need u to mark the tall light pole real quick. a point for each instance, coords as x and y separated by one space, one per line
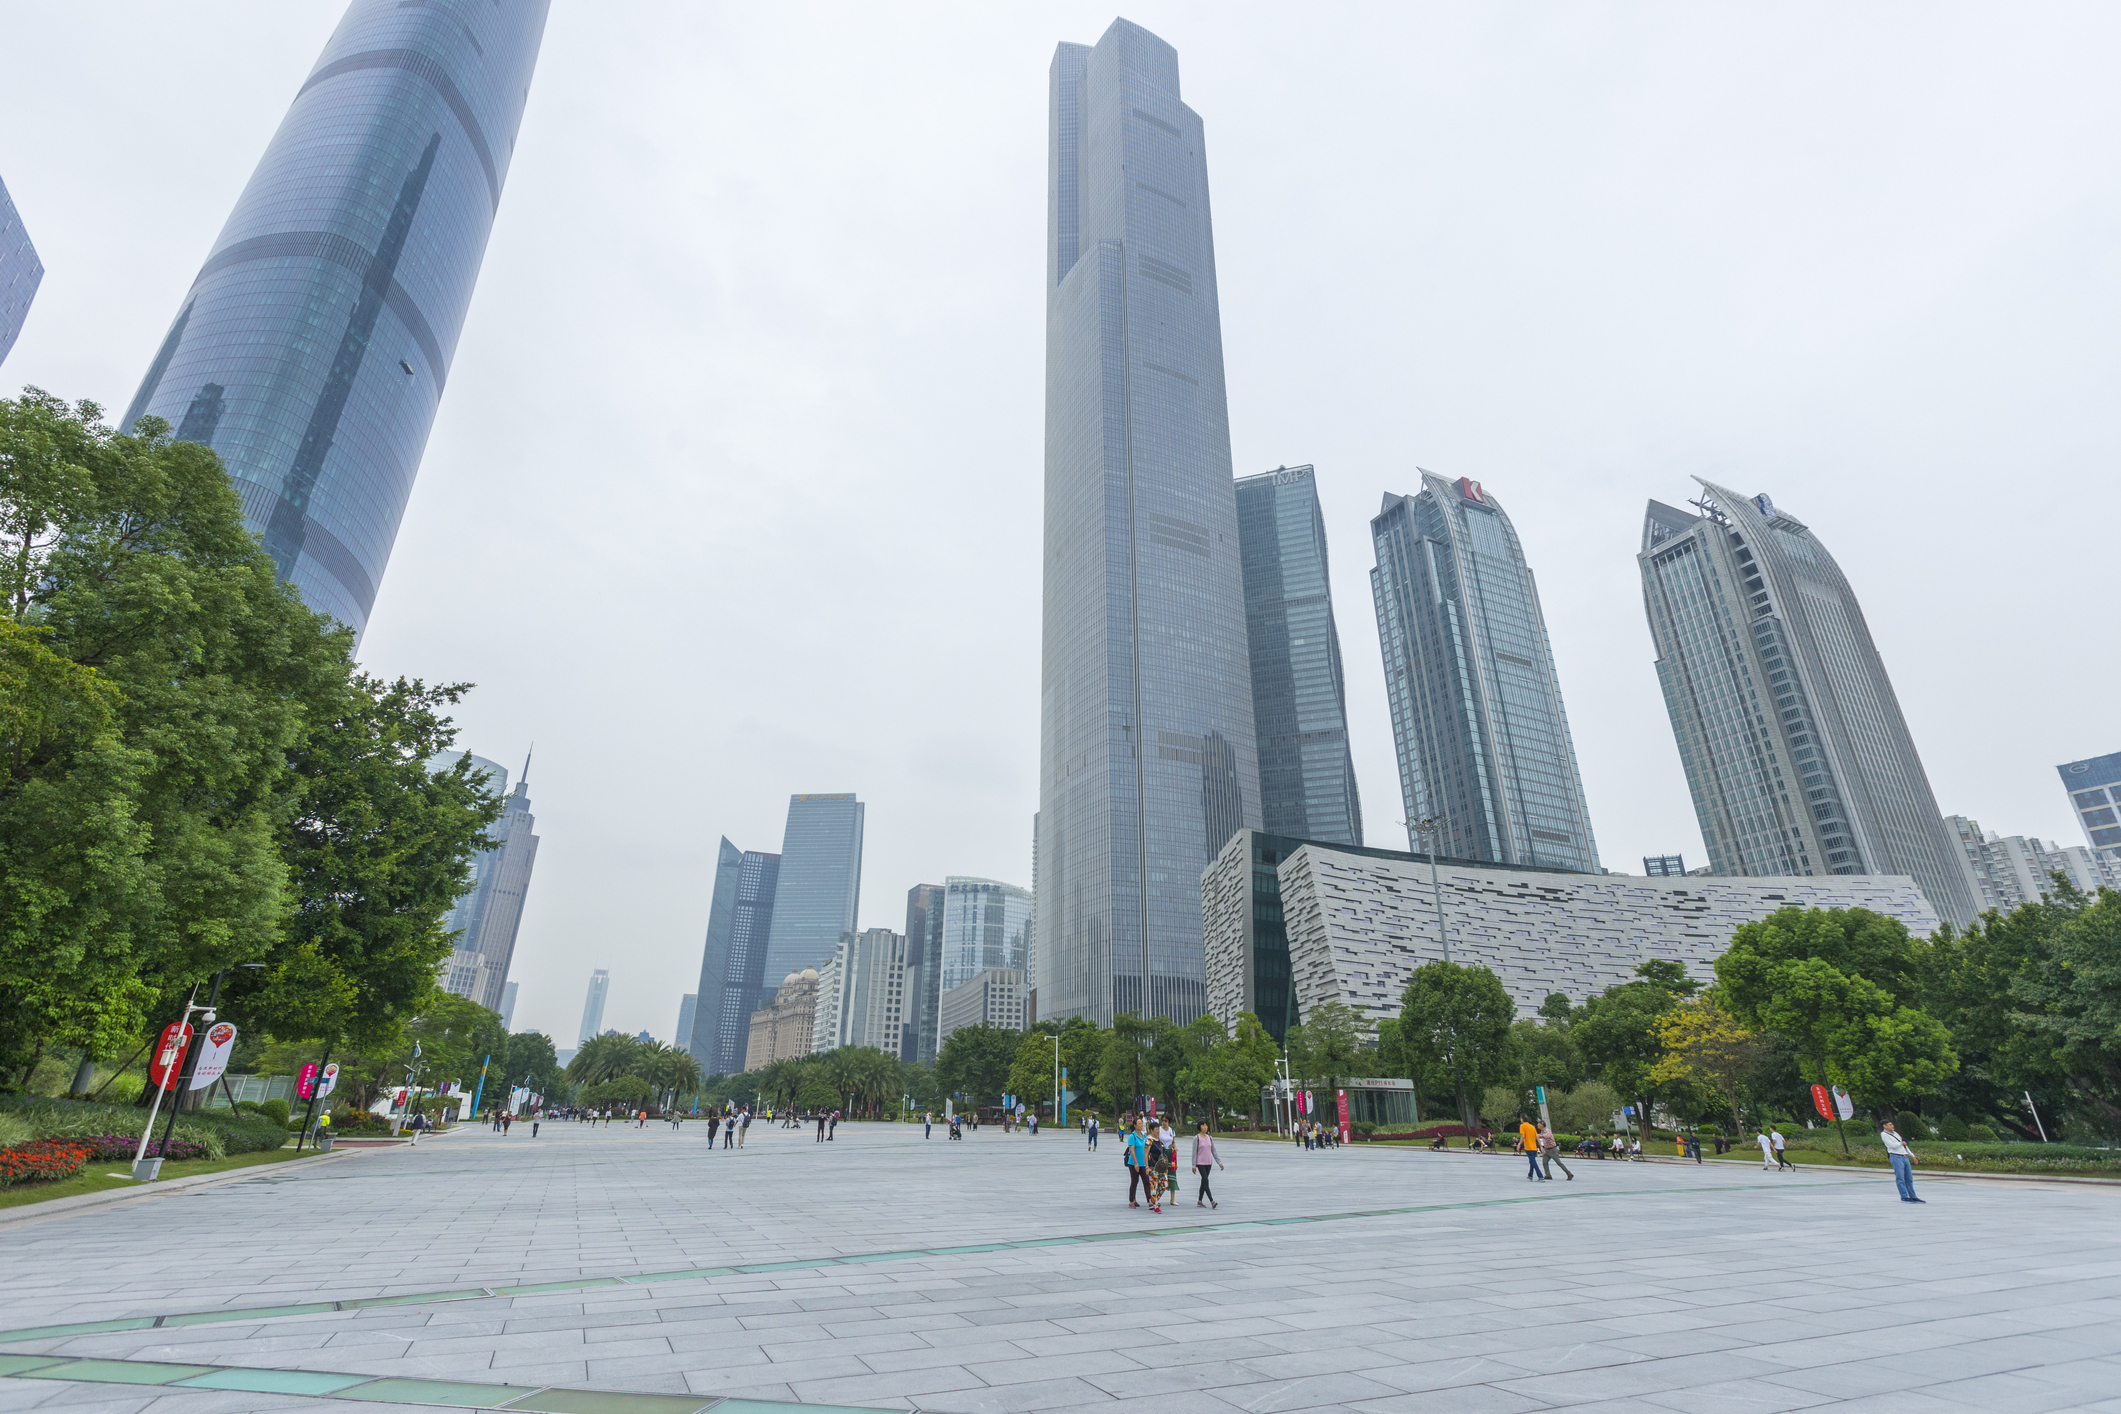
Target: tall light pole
1431 829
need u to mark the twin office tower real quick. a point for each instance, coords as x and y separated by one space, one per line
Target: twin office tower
1191 675
1191 683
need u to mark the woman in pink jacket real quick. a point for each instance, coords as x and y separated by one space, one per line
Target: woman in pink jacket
1203 1160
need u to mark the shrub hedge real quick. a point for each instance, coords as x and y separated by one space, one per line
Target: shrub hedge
42 1161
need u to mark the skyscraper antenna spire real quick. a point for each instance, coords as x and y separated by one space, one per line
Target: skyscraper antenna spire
524 779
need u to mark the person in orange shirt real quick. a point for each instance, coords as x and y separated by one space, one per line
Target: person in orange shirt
1528 1139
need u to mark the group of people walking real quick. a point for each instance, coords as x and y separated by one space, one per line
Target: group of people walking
1541 1150
1149 1148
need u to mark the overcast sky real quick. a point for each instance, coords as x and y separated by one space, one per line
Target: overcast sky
735 491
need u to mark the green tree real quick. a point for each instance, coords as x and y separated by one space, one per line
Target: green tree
1126 1071
1701 1042
1454 1031
604 1057
1331 1044
141 847
1617 1032
526 1061
1546 1055
1033 1068
1231 1075
974 1062
1830 980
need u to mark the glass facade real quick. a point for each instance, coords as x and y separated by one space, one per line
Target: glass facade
733 962
2094 787
1147 749
20 273
1794 747
312 347
924 970
1299 696
1482 739
986 924
487 919
593 1004
820 887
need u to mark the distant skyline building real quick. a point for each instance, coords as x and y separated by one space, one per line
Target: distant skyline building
487 919
1664 866
785 1027
1299 693
593 1004
508 1008
861 993
820 890
2094 786
20 273
2007 871
1147 751
733 960
688 1007
994 997
924 969
1795 749
1477 719
986 924
313 345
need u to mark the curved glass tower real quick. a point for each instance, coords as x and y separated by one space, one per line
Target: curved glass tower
1476 707
311 350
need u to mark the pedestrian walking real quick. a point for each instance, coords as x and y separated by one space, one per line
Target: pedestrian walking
729 1132
507 1118
927 1124
535 1121
1203 1160
1550 1152
1528 1141
1090 1128
820 1128
714 1128
1782 1158
1767 1149
1134 1153
833 1132
743 1126
1159 1155
1903 1161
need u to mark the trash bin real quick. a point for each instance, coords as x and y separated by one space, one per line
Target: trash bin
324 1141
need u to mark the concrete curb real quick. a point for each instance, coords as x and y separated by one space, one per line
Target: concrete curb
59 1207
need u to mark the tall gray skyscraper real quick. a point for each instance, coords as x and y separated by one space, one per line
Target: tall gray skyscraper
924 969
2094 786
508 1007
1147 755
986 924
312 347
488 918
20 272
733 963
820 888
593 1004
1477 719
1299 697
1794 747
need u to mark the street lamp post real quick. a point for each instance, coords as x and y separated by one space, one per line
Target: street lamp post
1057 1118
1430 829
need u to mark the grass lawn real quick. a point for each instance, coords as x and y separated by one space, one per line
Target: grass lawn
101 1178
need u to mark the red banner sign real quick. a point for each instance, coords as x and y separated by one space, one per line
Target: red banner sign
306 1082
1343 1115
1822 1102
169 1055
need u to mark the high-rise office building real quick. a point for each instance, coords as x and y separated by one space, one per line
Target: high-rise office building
1299 696
688 1008
861 993
312 347
2094 787
733 962
508 1008
1664 866
1482 739
487 919
924 969
986 924
994 997
593 1004
1794 747
820 888
20 272
1147 753
2009 870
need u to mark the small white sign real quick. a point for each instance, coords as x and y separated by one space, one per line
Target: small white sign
328 1080
213 1056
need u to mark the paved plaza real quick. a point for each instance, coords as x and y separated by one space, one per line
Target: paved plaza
1005 1274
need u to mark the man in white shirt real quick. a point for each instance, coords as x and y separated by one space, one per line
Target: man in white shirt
1782 1159
1767 1150
1903 1161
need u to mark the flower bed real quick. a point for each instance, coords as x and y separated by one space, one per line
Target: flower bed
111 1148
42 1161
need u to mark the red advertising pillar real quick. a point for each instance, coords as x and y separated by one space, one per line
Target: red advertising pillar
1344 1134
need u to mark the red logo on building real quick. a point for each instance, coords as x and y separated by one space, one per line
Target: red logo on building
1470 489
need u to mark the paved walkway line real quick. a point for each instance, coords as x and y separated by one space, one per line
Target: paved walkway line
546 1288
57 1206
393 1389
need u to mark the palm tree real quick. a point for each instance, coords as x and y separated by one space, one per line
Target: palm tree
674 1069
605 1057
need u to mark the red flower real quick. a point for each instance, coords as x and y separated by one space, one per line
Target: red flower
47 1159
